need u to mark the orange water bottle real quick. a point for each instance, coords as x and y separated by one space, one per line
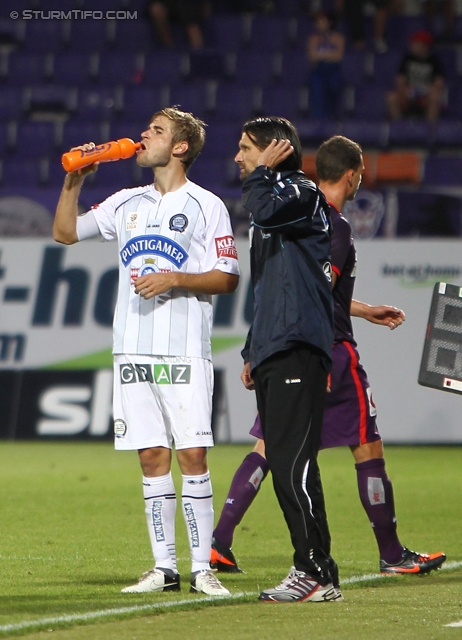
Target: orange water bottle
107 152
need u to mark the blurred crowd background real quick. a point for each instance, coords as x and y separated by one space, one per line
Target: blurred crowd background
386 73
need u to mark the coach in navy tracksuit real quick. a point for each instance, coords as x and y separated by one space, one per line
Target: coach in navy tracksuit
288 350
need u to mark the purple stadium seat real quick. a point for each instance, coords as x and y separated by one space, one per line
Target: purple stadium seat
410 133
222 139
27 68
448 133
354 66
35 139
254 68
11 102
234 103
191 97
72 68
54 100
227 32
98 103
94 33
269 33
77 133
164 67
119 174
448 58
132 35
454 105
400 28
207 63
366 133
294 69
140 102
22 173
43 36
443 171
281 101
209 173
370 102
313 132
128 129
386 67
12 32
115 67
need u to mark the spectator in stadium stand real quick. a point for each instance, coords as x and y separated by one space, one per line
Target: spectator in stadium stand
420 83
176 249
325 50
288 349
350 413
190 14
354 12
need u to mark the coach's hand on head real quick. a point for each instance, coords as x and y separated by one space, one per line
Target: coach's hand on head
275 153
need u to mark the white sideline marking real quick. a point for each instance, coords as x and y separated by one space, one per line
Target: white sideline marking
94 615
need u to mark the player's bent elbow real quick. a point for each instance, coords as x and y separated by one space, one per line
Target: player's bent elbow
64 238
231 283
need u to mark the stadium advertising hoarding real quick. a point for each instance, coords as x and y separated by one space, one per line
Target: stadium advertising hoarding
56 306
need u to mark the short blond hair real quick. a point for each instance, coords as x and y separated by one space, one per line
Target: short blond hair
186 128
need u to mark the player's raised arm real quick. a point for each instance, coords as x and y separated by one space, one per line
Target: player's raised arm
65 223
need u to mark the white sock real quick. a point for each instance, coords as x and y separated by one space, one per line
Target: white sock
198 515
160 500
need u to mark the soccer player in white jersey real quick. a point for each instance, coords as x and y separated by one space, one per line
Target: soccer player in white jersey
176 249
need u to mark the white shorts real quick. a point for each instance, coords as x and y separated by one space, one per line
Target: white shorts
161 400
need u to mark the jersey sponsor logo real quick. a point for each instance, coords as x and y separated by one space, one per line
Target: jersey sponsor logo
293 380
120 428
155 374
132 221
178 222
375 491
153 224
157 520
226 247
154 245
327 268
190 517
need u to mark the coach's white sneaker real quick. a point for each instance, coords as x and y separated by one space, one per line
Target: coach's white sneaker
207 582
156 580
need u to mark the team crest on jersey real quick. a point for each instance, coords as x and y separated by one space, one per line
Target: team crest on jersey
178 222
365 213
132 221
149 266
226 247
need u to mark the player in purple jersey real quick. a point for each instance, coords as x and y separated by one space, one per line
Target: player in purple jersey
349 414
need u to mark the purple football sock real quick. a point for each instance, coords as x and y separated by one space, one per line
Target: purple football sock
244 488
376 493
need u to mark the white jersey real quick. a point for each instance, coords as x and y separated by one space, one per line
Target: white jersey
187 230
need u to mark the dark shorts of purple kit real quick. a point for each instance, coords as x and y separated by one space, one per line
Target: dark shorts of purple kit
349 413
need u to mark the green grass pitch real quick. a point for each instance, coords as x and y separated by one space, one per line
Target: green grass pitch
73 534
